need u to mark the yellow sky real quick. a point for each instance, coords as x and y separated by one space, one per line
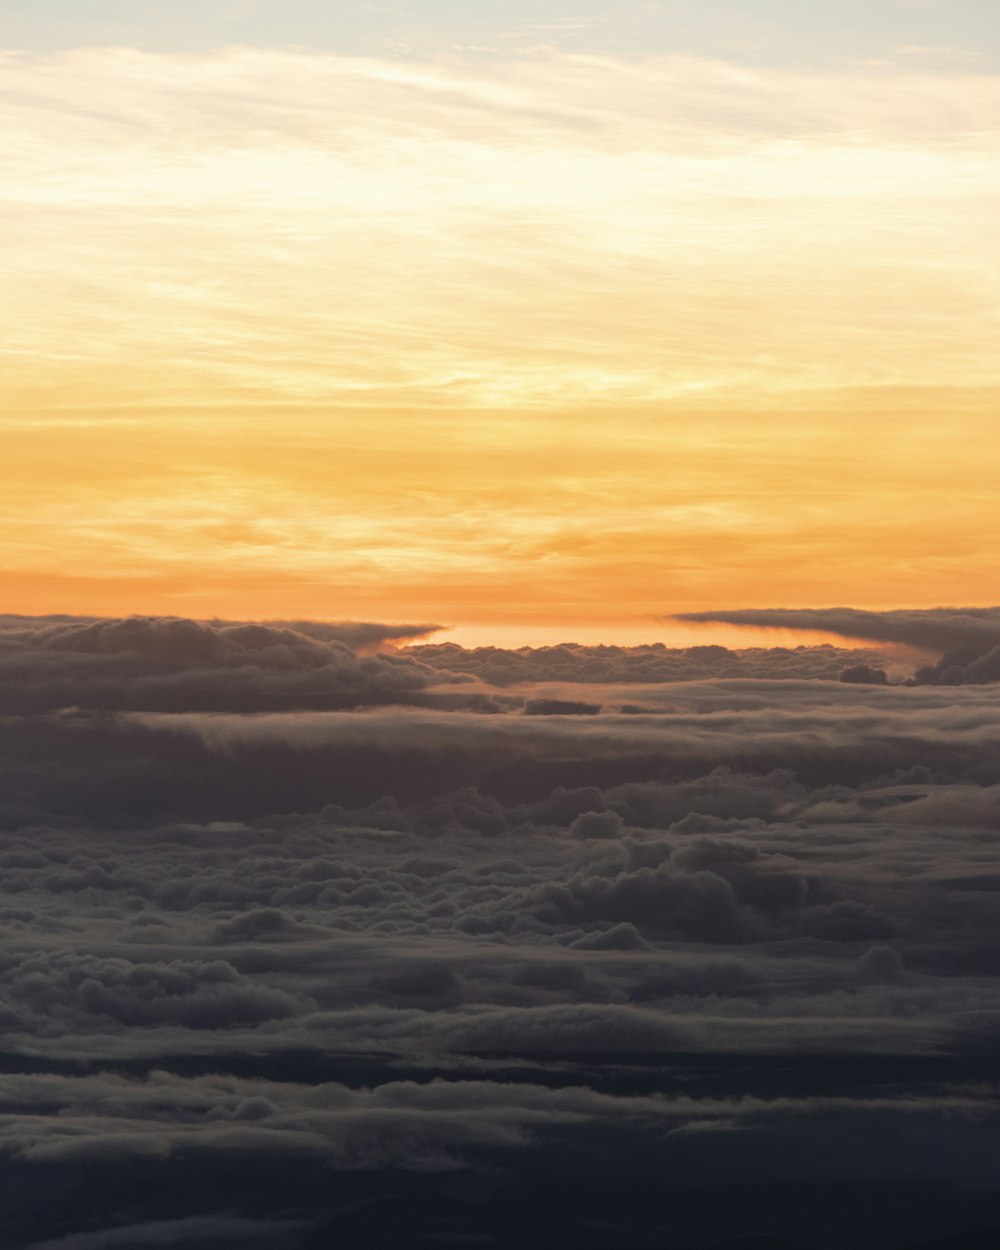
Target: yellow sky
557 342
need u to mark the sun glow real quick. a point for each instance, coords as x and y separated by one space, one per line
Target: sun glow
564 342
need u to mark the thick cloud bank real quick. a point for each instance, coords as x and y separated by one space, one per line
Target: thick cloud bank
177 664
596 962
967 638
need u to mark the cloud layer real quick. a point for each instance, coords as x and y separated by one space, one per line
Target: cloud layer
486 974
968 637
143 663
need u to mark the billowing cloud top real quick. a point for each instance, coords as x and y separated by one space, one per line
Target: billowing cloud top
654 662
968 637
477 962
175 663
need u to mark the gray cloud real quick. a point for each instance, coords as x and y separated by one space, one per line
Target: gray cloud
574 662
221 1230
178 664
967 638
284 976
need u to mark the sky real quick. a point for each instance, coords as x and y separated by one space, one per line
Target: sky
762 32
532 320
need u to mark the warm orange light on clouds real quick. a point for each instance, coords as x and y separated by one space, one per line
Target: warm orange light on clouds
560 341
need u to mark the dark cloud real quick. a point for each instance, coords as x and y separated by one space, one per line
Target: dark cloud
651 663
968 639
865 675
559 707
194 1233
358 635
836 734
169 663
715 959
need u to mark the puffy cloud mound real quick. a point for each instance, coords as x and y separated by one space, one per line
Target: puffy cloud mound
651 663
865 675
169 663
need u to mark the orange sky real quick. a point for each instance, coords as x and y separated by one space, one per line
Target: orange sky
556 345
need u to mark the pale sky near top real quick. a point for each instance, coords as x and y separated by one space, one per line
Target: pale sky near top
779 33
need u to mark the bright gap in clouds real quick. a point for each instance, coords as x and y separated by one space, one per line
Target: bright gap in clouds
669 633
